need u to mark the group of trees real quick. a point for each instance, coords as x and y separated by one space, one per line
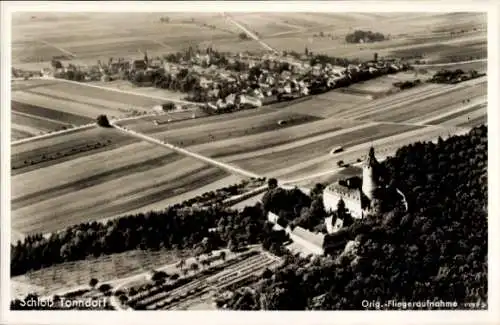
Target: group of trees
454 76
177 227
322 83
435 251
324 59
74 75
366 36
407 84
102 120
218 196
295 208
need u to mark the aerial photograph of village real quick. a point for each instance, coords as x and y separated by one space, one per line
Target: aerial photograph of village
249 161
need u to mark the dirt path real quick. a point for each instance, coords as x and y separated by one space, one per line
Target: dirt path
249 33
185 152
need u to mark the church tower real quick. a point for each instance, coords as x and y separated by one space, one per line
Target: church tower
370 177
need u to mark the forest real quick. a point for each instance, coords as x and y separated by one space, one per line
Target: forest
435 251
178 227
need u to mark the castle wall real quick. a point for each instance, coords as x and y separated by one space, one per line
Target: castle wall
353 204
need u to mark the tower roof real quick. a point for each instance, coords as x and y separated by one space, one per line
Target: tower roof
371 160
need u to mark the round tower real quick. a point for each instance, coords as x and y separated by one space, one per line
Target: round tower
369 183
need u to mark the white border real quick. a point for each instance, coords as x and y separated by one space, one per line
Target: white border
137 317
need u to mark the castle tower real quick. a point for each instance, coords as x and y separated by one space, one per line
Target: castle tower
370 177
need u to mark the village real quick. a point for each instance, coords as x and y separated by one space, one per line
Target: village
225 82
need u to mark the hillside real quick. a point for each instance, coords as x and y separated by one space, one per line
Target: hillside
436 251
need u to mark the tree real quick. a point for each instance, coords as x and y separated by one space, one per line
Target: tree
181 264
272 183
233 245
102 120
56 64
317 190
123 299
159 277
194 267
341 209
105 288
93 282
267 274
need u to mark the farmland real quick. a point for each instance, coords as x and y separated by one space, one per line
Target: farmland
202 287
98 173
254 141
417 39
104 268
177 34
153 177
36 41
40 106
78 177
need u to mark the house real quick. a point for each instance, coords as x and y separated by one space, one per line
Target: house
250 100
312 242
258 93
205 83
46 72
155 63
230 99
139 65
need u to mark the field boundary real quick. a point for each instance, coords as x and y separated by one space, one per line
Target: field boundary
210 161
52 134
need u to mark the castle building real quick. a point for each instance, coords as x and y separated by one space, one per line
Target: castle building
359 200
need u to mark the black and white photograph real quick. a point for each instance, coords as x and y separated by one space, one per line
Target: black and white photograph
247 160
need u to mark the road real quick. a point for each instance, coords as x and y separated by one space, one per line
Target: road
230 168
249 33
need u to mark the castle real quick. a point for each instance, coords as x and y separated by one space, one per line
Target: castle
360 200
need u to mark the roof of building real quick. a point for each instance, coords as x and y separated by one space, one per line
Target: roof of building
316 239
371 160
